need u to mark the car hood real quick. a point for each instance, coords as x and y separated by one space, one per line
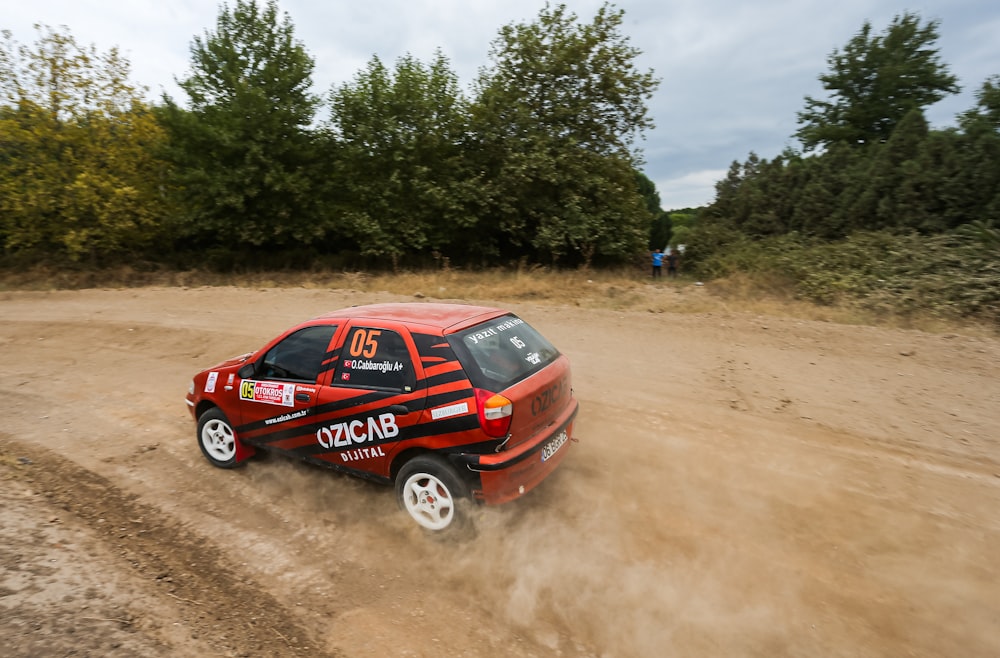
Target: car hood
233 361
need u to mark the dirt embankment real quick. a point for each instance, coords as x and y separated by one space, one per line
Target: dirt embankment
743 485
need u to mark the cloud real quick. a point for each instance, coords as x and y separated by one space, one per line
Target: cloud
690 190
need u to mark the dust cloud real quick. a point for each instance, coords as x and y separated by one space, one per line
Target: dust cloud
558 567
570 567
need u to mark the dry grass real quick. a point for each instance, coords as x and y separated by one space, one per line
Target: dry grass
615 290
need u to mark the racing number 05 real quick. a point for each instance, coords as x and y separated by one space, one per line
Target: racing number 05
365 342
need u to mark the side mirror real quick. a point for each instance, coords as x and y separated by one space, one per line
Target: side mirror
246 372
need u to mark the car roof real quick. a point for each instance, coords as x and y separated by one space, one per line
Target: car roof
437 315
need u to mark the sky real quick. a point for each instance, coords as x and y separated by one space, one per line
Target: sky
733 75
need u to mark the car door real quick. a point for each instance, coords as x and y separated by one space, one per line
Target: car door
276 402
371 401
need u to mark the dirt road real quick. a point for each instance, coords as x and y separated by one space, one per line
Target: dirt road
742 486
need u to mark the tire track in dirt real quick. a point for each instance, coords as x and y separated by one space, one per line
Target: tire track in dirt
216 608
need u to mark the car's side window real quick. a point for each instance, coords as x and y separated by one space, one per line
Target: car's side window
300 356
375 358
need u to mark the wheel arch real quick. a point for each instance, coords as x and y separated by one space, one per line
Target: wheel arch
202 407
404 456
244 451
471 480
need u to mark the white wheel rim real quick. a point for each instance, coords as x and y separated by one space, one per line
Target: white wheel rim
428 501
219 441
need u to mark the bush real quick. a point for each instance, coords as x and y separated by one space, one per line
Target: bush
950 277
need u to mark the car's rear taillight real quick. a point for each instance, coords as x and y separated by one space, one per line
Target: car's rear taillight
494 413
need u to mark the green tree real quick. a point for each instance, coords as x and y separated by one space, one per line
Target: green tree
243 150
682 223
738 197
660 231
985 116
556 117
649 193
884 204
979 155
78 178
660 225
874 82
399 181
815 209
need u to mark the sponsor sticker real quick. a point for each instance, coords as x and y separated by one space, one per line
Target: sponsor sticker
362 453
544 400
450 410
358 431
495 330
286 417
381 366
268 393
210 382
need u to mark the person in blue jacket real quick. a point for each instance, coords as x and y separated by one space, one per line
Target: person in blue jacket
657 264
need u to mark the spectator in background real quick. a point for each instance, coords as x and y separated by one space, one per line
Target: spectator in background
672 259
657 263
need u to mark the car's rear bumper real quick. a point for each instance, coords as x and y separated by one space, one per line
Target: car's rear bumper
507 475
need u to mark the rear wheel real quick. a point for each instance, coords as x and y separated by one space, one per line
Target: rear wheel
217 438
429 489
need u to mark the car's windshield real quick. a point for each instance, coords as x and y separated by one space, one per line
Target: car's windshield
502 351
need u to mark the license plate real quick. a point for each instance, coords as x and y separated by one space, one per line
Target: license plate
552 446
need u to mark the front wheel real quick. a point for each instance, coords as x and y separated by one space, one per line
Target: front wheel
429 489
217 438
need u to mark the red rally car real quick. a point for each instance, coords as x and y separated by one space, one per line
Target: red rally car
447 401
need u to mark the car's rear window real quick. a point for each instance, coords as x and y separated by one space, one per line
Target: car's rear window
502 351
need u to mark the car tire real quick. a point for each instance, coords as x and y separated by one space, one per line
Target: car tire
432 493
217 439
